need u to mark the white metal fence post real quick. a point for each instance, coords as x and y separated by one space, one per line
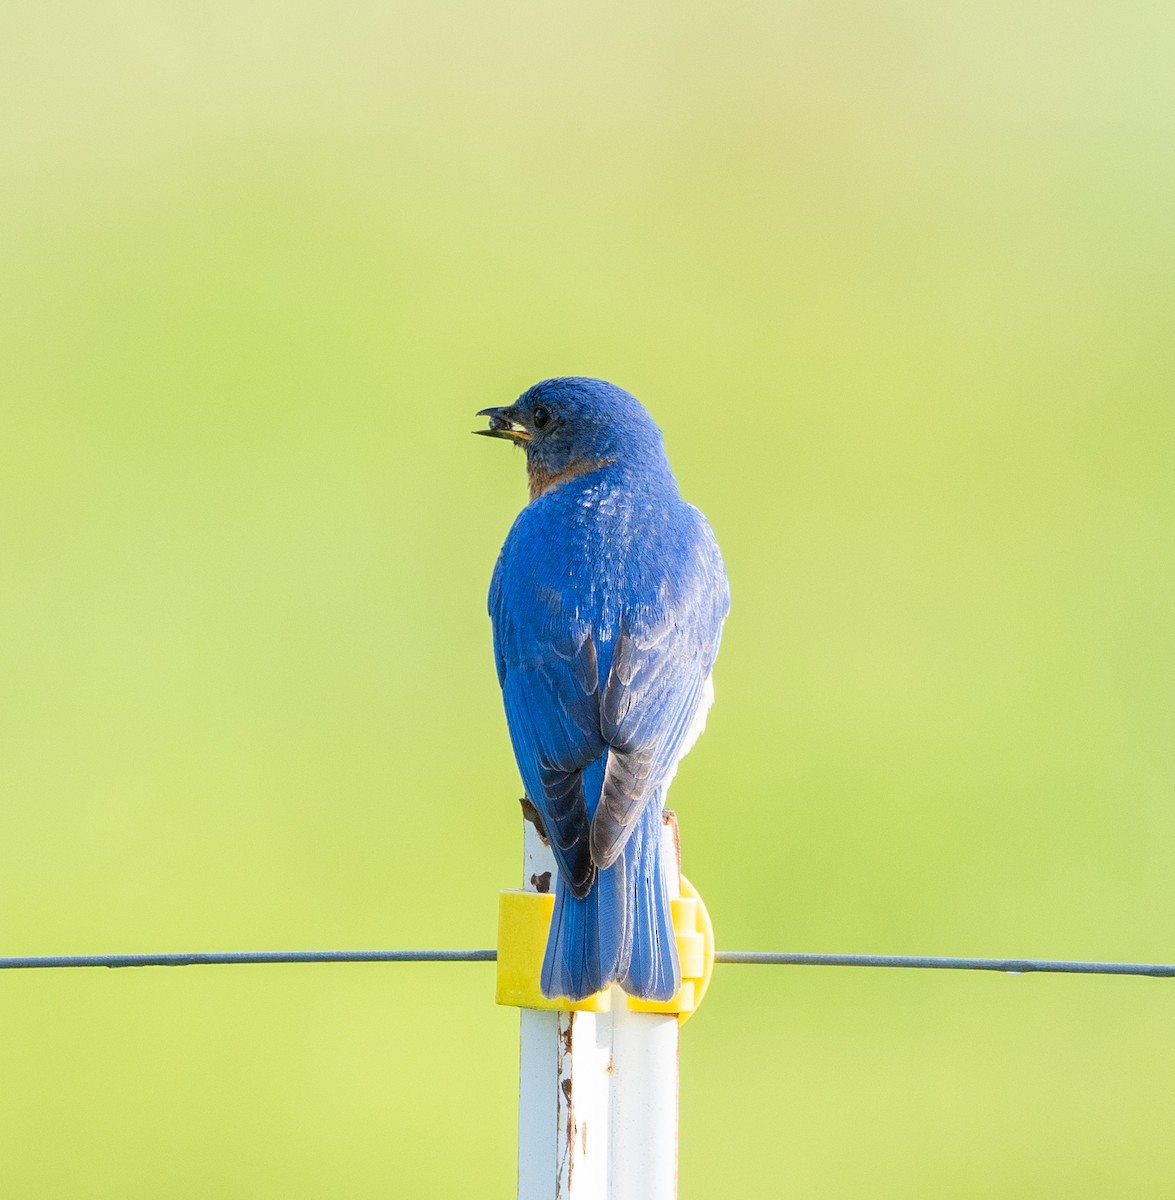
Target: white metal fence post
597 1108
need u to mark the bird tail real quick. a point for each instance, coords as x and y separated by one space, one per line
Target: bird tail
622 930
653 972
586 945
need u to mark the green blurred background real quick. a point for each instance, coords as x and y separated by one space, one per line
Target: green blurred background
899 284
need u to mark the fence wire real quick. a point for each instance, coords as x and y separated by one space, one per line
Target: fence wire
773 958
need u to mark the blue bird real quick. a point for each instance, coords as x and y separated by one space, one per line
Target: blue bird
607 603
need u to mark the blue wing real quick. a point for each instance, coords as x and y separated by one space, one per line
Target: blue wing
551 694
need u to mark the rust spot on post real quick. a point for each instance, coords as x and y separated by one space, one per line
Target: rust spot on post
669 817
531 814
569 1137
564 1069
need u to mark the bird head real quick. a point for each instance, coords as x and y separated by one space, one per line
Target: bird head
574 425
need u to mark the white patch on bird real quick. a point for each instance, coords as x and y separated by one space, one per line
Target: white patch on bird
599 497
696 726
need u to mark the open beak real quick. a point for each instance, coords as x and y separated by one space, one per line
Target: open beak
502 425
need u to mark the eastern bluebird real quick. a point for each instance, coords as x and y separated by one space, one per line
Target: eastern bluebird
607 604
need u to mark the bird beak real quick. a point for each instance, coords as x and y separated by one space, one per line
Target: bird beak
502 425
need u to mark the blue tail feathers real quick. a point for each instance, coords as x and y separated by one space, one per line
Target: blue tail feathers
653 972
622 930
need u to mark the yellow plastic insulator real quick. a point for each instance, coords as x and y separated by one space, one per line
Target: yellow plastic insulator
524 919
695 951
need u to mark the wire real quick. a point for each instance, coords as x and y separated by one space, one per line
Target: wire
1009 966
224 958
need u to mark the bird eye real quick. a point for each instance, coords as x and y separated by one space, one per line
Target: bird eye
541 417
